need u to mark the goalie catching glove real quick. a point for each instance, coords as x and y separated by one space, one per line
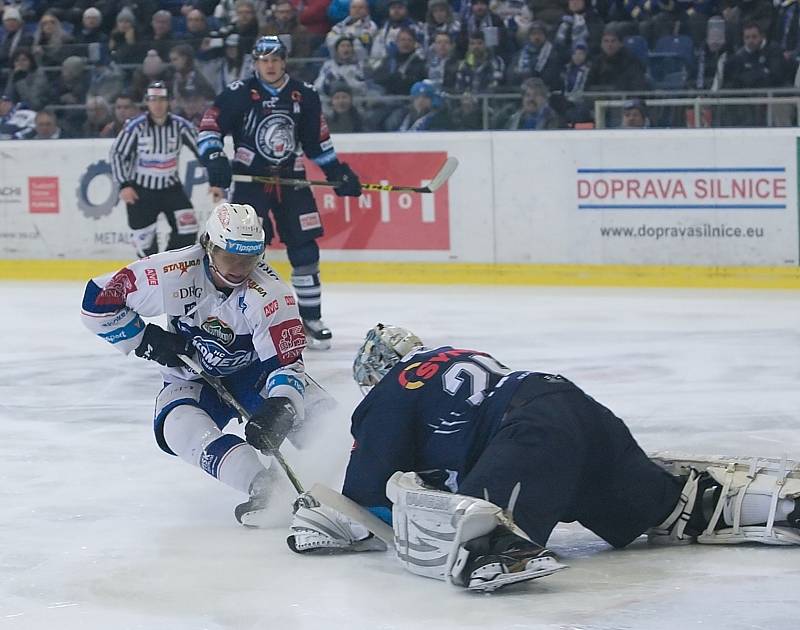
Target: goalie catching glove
317 527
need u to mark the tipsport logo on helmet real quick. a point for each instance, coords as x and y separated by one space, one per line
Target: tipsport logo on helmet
247 248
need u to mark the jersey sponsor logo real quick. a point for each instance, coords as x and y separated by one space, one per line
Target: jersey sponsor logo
271 308
245 156
289 340
188 292
152 277
416 374
182 265
187 308
219 330
122 284
310 221
275 137
251 284
289 300
217 359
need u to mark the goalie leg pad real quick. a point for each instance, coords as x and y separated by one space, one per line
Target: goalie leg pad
433 530
755 498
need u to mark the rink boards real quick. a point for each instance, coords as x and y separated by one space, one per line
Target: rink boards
639 208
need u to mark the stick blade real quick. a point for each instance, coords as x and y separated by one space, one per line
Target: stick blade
354 511
448 168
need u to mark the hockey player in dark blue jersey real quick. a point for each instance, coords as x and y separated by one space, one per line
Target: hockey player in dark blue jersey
274 119
446 435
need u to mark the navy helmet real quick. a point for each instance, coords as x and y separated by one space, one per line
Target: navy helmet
269 45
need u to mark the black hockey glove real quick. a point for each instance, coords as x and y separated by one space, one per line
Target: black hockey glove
350 185
163 347
269 426
219 170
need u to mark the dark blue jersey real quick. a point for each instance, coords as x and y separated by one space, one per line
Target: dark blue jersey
433 413
271 128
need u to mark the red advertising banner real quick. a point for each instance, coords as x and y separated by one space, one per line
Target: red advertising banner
43 194
383 220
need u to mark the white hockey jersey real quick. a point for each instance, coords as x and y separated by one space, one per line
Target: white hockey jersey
258 321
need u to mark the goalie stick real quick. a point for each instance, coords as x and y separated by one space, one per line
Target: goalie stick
442 175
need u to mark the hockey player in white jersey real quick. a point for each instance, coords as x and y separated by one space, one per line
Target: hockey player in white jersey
226 308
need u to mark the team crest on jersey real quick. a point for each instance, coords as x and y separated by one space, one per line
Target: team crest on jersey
275 137
219 330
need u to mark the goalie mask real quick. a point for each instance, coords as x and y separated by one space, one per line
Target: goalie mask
382 349
234 242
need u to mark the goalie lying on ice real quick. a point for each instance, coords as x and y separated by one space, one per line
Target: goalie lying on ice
470 435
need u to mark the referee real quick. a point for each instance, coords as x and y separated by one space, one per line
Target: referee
144 163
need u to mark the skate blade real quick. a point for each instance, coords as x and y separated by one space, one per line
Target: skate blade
539 569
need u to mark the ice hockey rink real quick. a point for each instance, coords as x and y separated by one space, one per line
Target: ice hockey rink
99 529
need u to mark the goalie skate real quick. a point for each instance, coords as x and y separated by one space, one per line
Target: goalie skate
756 499
318 335
491 572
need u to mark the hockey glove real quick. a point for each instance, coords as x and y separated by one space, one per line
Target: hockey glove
163 347
219 170
349 185
269 426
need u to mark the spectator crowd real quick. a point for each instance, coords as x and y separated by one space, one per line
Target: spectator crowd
79 69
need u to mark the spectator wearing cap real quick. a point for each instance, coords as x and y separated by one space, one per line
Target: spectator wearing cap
534 113
441 64
439 19
385 40
711 57
358 25
161 37
634 114
46 127
481 20
343 68
481 71
579 23
16 120
576 73
28 82
50 41
402 67
284 22
342 114
125 108
425 112
615 68
537 58
125 42
91 30
313 14
13 35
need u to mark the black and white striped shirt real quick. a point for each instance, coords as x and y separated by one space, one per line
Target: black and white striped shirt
147 153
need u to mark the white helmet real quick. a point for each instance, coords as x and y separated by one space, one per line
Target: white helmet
236 228
382 349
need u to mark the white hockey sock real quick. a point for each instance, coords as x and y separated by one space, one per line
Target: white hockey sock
192 435
755 510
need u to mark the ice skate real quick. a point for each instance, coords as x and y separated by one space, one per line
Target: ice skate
250 512
502 558
318 334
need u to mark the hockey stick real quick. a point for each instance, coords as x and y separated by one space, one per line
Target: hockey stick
444 173
225 395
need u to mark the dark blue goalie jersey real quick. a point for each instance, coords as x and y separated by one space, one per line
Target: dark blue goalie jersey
433 413
271 128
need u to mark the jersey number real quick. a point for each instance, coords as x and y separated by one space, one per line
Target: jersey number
478 375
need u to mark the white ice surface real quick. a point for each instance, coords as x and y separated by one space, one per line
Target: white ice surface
101 530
